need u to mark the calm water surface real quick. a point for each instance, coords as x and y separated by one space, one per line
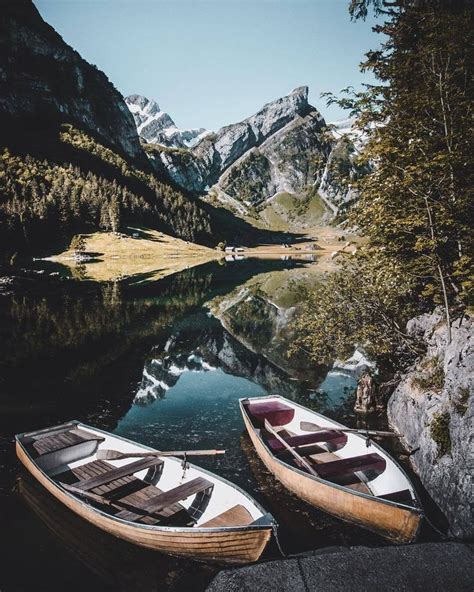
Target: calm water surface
151 362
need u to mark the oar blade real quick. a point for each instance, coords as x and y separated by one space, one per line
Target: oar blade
109 455
309 426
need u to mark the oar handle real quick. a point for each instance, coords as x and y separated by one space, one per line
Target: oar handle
308 426
188 453
368 432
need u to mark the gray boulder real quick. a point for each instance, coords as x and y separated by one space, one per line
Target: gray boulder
433 409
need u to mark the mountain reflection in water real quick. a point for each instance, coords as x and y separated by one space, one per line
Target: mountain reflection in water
163 363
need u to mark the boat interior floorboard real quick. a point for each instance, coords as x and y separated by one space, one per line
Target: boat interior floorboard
130 490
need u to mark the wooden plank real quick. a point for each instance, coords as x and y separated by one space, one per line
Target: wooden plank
129 490
117 473
236 516
167 498
52 442
299 459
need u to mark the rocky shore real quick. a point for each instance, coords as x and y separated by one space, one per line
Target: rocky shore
435 566
433 410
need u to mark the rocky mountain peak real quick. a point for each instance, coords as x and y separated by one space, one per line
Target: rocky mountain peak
157 127
276 133
139 102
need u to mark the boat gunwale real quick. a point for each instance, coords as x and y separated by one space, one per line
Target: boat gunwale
415 509
271 524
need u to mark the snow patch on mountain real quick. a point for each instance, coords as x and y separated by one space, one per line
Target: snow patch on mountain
157 127
347 127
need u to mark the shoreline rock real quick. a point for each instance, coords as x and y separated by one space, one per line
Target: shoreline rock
409 568
433 409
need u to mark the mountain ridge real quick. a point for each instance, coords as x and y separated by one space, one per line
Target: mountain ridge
285 147
157 127
44 81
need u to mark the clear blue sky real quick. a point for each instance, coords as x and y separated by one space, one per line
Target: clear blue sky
213 62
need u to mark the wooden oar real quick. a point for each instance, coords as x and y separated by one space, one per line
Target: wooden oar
116 455
299 459
308 426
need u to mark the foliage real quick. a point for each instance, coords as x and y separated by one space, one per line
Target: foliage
439 430
367 302
248 181
345 166
416 203
78 243
432 376
460 404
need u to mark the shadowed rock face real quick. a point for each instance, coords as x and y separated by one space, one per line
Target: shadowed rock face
433 408
44 81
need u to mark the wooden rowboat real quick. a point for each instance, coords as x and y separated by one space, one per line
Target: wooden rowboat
335 470
155 502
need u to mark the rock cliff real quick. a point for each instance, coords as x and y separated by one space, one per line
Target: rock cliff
282 148
286 162
43 81
156 127
433 409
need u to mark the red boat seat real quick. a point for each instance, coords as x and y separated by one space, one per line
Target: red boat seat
400 497
346 466
332 436
275 412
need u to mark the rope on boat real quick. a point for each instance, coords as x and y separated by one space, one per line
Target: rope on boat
443 535
277 540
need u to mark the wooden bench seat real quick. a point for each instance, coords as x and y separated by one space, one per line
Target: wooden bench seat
235 516
168 498
45 444
116 473
348 466
275 412
129 490
330 436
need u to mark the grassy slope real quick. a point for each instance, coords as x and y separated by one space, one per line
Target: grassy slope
152 256
291 212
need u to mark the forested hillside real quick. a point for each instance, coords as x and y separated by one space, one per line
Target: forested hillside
70 157
82 186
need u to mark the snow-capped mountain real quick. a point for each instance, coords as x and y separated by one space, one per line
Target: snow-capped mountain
157 127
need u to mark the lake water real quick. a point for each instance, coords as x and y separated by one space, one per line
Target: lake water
163 363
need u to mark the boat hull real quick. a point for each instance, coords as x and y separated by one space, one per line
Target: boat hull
398 524
235 545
